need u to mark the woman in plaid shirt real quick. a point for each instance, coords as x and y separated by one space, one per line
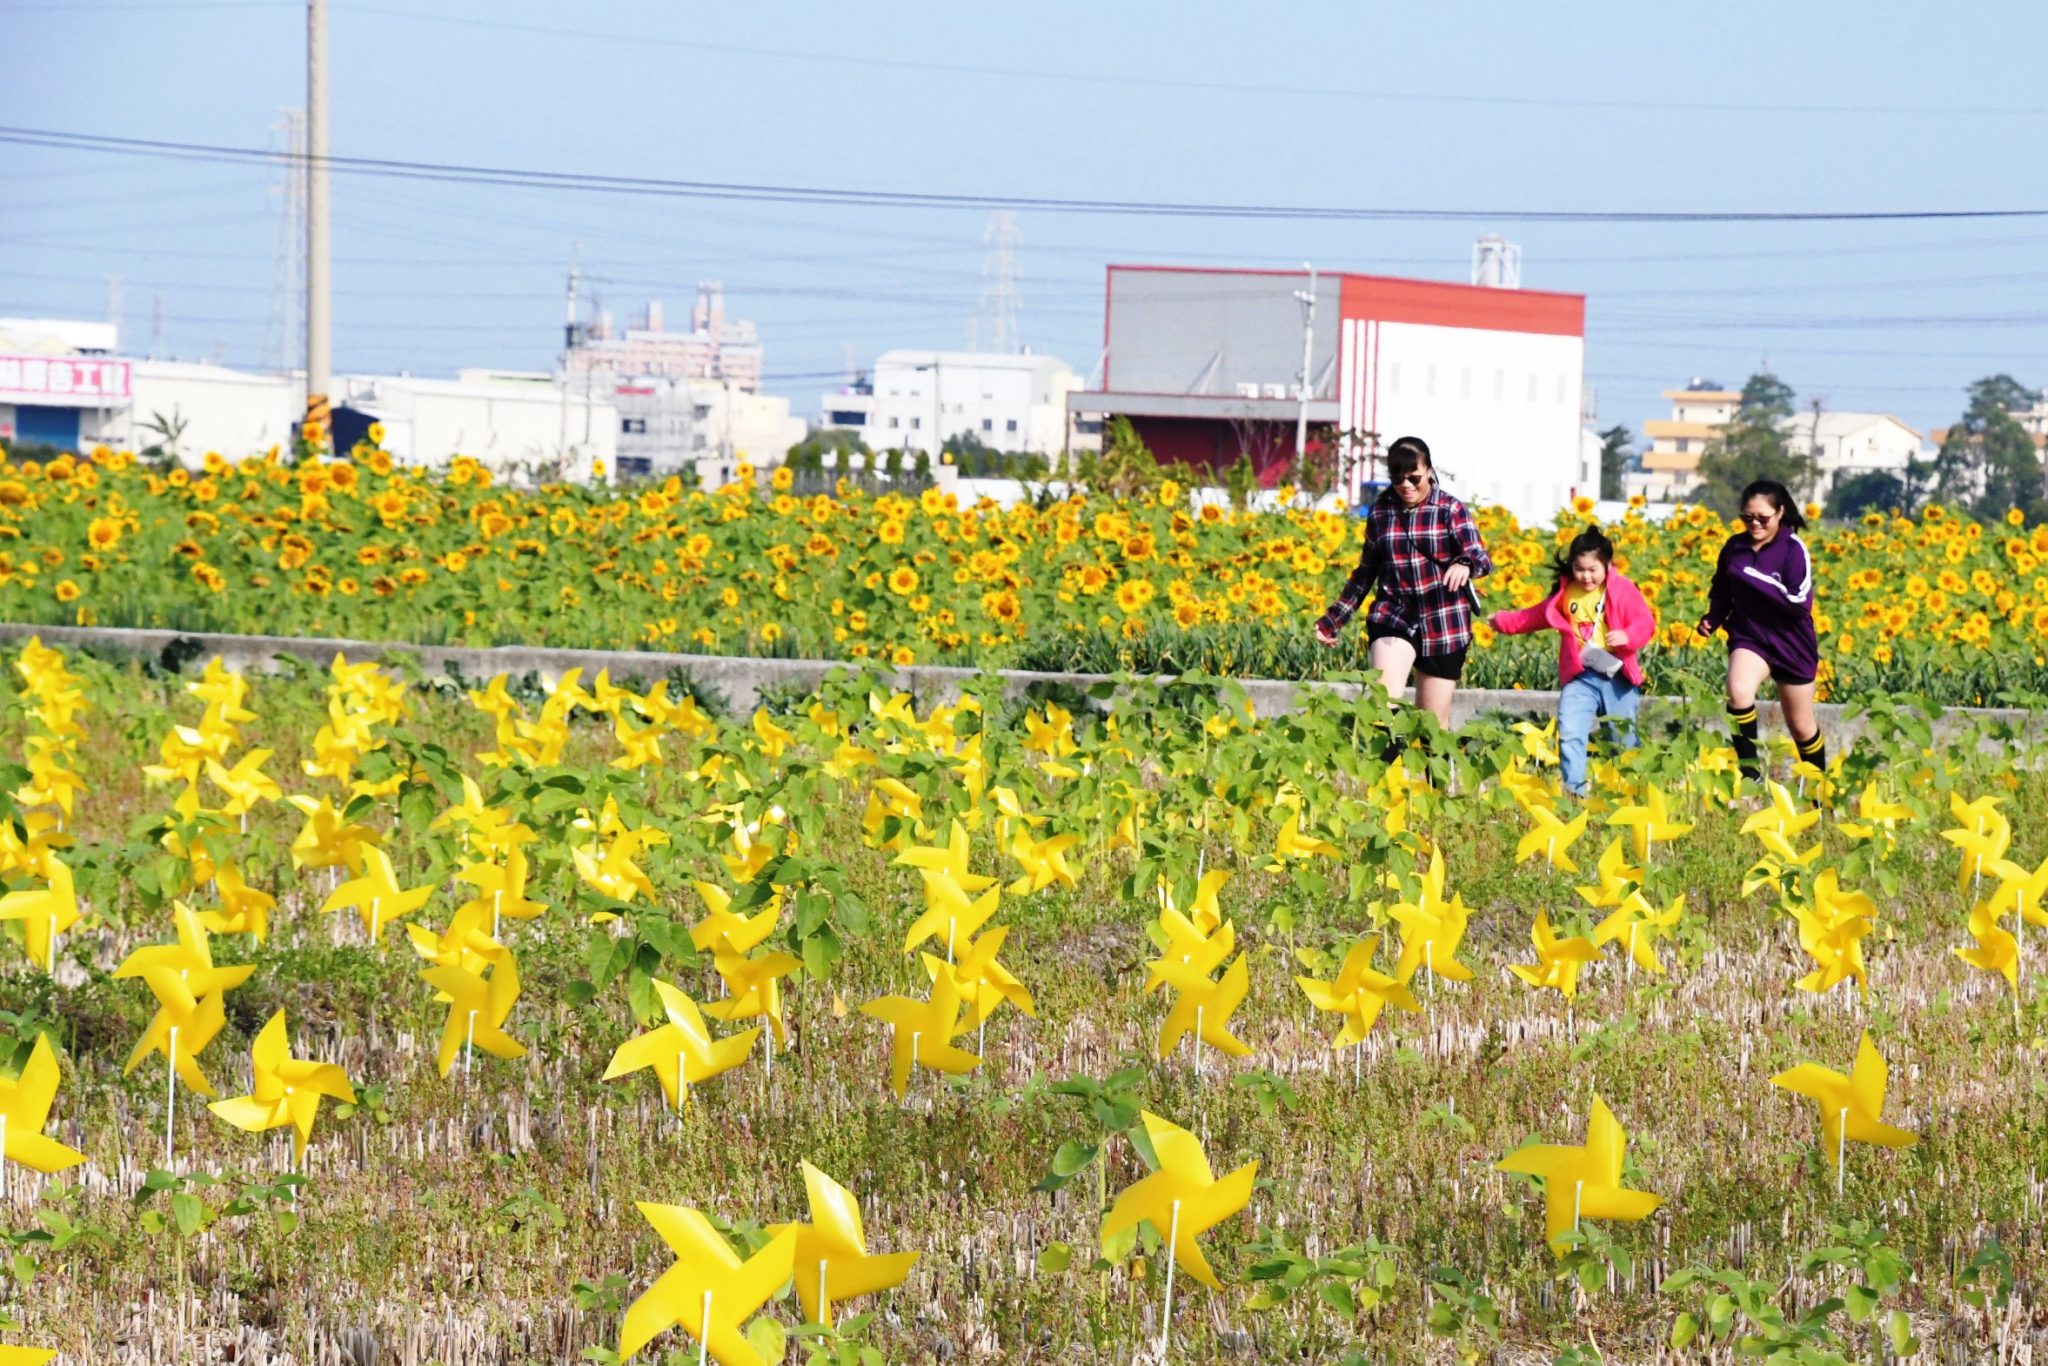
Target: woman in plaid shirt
1422 551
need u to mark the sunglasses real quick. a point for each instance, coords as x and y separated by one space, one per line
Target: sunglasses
1759 518
1415 480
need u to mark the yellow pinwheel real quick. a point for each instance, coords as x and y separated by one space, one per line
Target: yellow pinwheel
285 1090
1982 833
189 959
1552 838
1203 1006
1430 934
501 887
25 1109
1851 1106
755 982
1617 877
1044 861
1290 844
1184 944
1558 961
1638 925
832 1258
949 858
709 1293
44 912
245 784
184 1024
722 929
326 840
2020 892
375 894
1782 817
1582 1182
1359 993
1182 1198
922 1033
1997 949
983 983
682 1053
479 1005
1649 821
948 915
243 909
1831 930
1876 817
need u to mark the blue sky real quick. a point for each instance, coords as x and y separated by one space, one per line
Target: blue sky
1480 106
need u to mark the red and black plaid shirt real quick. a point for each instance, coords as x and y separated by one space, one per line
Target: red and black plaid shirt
1407 549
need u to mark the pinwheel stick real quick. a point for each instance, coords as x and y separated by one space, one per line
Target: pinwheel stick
171 1097
468 1048
1578 1198
704 1331
497 904
1166 1320
1841 1147
1631 953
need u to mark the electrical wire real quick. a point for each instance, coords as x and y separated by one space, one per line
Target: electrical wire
660 187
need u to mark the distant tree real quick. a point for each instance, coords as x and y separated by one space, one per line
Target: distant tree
1126 465
1988 462
1871 490
1752 446
1616 449
810 453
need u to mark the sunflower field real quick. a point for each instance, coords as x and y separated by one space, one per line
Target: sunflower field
1937 606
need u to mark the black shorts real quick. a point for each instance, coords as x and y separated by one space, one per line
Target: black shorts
1448 666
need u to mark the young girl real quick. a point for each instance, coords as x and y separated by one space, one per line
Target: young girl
1602 622
1422 551
1762 595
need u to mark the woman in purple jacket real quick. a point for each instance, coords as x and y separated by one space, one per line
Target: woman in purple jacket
1763 595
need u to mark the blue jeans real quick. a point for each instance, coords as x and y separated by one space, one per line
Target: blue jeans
1583 700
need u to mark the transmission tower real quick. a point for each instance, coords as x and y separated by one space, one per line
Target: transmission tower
284 333
993 326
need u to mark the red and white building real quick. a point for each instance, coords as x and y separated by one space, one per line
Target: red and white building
1206 364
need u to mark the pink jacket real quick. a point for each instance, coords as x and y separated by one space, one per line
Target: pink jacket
1627 612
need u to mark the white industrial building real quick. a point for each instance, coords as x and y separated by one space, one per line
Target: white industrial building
919 400
1208 367
62 384
1844 445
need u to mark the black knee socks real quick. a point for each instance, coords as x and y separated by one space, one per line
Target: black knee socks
1744 721
1813 750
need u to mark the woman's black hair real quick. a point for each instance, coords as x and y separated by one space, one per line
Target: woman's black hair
1591 541
1409 453
1789 514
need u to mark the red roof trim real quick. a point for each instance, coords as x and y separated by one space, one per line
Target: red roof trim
1386 299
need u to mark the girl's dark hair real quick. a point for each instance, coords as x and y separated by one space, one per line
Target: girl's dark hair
1409 453
1781 498
1591 541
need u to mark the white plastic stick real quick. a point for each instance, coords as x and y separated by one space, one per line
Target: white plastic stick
704 1331
1578 1195
1841 1147
497 904
1631 952
1166 1321
376 919
171 1096
824 1311
468 1047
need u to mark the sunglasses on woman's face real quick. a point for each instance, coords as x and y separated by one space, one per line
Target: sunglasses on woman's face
1415 480
1759 518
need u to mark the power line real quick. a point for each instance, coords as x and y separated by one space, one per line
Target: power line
515 177
1127 80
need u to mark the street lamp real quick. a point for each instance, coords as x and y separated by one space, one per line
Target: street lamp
938 441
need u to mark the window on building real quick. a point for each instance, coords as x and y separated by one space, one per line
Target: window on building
1011 425
988 424
916 423
846 418
1684 444
895 422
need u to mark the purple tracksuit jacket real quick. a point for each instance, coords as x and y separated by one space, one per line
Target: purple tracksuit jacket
1765 599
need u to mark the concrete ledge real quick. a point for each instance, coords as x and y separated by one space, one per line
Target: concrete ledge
742 680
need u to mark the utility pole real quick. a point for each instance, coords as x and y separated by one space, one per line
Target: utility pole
1308 346
114 306
319 281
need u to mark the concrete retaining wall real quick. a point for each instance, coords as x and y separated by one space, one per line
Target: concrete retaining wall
741 681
